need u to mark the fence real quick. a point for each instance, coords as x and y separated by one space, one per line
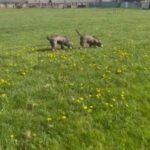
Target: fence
145 5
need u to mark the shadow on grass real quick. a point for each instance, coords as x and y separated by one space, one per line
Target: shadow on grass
50 50
43 49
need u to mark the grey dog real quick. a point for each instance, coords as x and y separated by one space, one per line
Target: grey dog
61 40
90 40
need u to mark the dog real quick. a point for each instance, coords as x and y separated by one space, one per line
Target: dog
61 40
92 41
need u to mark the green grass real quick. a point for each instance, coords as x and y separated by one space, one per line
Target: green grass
79 99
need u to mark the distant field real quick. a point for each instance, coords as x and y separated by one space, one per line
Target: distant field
78 99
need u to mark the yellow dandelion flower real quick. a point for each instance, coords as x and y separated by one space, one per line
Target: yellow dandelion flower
11 136
98 90
81 68
49 119
111 105
81 84
34 134
63 117
2 81
113 99
107 104
78 101
85 107
23 73
3 95
89 110
81 98
122 95
126 105
119 71
98 96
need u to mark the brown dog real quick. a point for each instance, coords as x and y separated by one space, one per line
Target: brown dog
61 40
90 40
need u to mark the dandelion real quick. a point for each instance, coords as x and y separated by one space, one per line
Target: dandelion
107 104
89 95
74 64
34 134
81 84
78 101
122 95
81 98
63 117
2 81
49 119
28 134
23 73
98 90
98 96
111 105
104 76
113 99
85 107
12 136
119 71
89 110
81 69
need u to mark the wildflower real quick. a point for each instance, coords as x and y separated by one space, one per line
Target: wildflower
122 95
91 106
34 134
12 136
78 101
81 69
89 95
63 117
85 107
89 110
111 105
119 71
106 104
98 90
23 73
81 84
28 134
74 64
3 95
49 119
32 49
81 98
113 99
98 96
104 75
2 81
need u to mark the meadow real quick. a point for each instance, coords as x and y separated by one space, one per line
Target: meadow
74 99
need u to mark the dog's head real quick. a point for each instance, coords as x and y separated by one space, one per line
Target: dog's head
99 44
70 45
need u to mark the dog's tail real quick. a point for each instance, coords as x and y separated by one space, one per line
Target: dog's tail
78 32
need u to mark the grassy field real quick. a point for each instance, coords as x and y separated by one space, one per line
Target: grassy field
78 99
